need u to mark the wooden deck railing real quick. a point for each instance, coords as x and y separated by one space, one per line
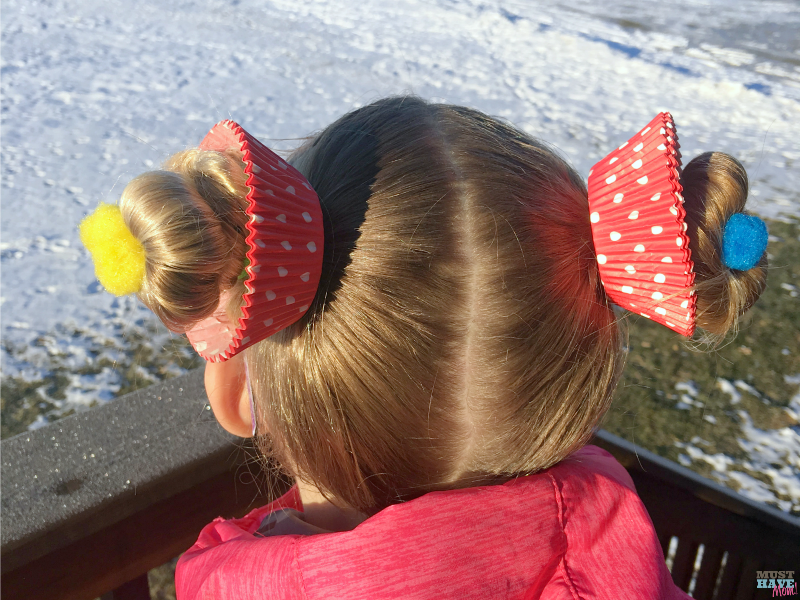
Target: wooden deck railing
94 501
714 539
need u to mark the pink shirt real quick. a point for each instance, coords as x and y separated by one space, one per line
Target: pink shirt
575 531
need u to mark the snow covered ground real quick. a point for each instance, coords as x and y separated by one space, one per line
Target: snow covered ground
96 91
773 453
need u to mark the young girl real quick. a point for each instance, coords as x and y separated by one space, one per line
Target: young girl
415 321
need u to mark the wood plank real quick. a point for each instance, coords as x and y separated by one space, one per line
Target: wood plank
683 564
664 539
688 517
746 589
730 577
88 471
133 546
708 573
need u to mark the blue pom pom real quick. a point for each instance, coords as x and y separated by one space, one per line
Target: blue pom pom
743 242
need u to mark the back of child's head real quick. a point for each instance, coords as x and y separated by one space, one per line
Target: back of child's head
460 333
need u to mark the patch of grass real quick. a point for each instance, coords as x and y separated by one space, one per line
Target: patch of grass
766 349
139 356
162 581
628 24
22 402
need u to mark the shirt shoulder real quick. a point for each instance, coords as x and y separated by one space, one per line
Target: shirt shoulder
228 550
613 550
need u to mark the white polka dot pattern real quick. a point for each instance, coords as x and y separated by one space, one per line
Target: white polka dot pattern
638 227
285 232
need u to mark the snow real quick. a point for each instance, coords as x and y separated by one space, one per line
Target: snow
689 398
91 98
730 389
773 453
96 91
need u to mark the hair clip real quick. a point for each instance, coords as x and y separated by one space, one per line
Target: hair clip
244 274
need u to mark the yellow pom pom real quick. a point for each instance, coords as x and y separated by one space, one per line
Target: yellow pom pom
118 256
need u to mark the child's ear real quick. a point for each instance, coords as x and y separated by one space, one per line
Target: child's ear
226 386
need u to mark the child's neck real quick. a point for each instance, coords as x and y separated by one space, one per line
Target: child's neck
324 514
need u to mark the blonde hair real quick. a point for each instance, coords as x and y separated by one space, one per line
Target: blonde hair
715 187
190 219
460 334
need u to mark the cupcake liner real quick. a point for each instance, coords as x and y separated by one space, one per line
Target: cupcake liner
639 229
285 240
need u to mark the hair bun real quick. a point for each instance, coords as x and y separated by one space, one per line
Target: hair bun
715 191
190 219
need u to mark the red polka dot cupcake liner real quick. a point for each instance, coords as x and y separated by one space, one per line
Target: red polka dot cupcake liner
639 228
285 240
